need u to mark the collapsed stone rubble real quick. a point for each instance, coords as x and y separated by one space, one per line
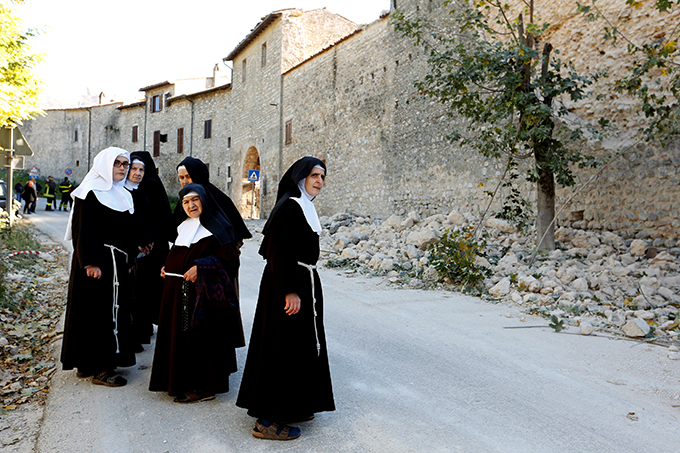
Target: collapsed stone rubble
594 279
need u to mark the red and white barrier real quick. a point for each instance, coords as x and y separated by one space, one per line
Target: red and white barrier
30 252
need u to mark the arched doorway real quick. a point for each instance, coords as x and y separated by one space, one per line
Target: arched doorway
250 198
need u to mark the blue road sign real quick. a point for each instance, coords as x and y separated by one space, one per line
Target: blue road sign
253 175
68 172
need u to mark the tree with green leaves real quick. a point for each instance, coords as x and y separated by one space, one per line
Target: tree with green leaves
653 74
495 72
19 87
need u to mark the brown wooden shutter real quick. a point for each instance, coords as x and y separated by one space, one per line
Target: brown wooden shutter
289 132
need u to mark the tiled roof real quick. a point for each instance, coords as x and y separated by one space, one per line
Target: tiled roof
254 33
156 85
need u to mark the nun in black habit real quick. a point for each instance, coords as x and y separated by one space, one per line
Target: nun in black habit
287 378
200 321
192 170
153 221
97 331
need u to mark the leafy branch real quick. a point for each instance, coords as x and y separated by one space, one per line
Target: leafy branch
653 76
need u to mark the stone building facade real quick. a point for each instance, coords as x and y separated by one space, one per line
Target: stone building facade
314 83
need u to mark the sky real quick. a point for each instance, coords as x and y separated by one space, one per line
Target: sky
117 47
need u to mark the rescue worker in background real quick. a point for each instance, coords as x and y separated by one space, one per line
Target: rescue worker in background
65 187
18 188
50 193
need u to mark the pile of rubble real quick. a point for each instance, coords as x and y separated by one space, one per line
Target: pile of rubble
594 279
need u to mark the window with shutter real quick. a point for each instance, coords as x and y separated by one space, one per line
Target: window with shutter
207 129
289 132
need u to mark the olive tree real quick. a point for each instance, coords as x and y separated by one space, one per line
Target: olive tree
495 72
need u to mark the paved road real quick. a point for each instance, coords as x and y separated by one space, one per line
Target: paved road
413 371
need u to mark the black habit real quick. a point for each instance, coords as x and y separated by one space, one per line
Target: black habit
153 221
198 358
286 378
200 174
90 341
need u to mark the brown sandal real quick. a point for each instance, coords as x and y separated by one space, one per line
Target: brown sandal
275 431
109 379
189 398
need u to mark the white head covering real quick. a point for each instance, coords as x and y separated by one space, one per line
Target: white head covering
129 185
100 180
308 207
190 231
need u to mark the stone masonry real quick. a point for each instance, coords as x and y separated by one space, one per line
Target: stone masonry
313 83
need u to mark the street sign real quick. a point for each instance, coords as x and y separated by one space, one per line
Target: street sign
17 163
34 172
253 175
14 147
68 172
19 143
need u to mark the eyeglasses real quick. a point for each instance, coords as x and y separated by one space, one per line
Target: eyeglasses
121 164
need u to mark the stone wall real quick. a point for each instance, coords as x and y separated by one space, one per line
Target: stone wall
255 118
636 194
56 147
383 142
129 117
349 97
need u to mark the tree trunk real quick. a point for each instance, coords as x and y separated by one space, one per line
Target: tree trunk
545 193
545 204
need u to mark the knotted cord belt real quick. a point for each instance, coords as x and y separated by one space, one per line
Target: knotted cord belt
116 283
311 268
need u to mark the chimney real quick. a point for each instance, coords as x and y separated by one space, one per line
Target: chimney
216 75
101 98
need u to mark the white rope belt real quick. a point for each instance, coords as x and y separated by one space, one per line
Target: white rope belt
311 268
116 283
170 274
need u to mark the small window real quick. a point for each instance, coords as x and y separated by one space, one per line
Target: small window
228 142
207 129
156 143
77 163
289 132
75 135
156 104
135 134
180 140
228 177
243 71
264 55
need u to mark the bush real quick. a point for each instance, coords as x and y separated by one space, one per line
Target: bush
454 258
